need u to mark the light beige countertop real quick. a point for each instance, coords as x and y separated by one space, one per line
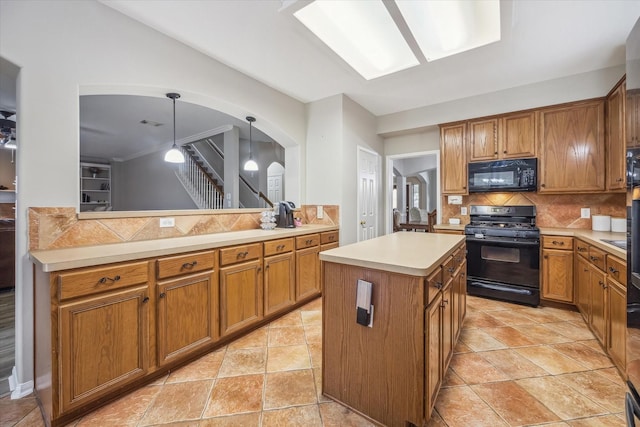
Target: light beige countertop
591 237
456 227
415 254
84 256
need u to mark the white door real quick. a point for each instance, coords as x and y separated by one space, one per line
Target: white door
274 188
368 187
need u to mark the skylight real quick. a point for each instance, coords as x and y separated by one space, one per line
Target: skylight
363 33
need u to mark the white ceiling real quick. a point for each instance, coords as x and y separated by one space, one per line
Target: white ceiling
541 40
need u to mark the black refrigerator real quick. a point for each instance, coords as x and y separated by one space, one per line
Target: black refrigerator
632 401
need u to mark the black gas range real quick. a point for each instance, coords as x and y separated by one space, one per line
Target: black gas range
503 253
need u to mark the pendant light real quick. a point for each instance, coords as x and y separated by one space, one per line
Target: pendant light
251 164
174 155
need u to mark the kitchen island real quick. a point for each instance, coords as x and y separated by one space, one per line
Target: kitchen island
389 367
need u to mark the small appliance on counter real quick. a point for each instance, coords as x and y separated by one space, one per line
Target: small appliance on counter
285 214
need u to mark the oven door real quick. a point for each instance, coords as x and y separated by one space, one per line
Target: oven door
504 260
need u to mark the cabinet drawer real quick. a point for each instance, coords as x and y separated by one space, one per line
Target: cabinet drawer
460 255
279 246
307 241
94 280
557 242
616 268
434 284
597 257
328 237
240 253
448 268
582 249
185 264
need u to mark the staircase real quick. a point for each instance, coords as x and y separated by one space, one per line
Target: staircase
197 177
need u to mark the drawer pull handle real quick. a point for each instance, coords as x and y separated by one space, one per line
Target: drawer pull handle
613 270
581 249
243 255
109 279
451 269
437 285
162 295
189 265
593 258
145 300
555 242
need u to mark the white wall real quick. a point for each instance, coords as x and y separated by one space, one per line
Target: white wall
67 48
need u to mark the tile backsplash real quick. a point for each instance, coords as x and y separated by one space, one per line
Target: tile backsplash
57 227
561 210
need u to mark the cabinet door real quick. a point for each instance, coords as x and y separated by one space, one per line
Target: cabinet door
616 144
632 120
617 324
572 155
187 315
583 288
463 295
453 161
240 296
517 136
483 140
307 273
433 352
598 304
279 283
103 344
557 275
447 325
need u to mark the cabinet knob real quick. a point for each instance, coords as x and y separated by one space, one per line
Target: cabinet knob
542 185
437 285
504 152
495 152
162 295
145 300
619 180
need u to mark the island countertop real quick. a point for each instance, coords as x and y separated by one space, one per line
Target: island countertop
412 253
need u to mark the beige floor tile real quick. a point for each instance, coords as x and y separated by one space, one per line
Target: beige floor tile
314 305
461 407
311 317
508 399
308 415
289 388
12 411
472 368
597 388
315 351
586 355
563 400
317 377
286 335
481 319
513 364
290 319
244 420
126 411
462 347
509 336
451 379
550 360
435 420
612 374
541 335
313 333
511 317
604 421
255 339
335 415
179 401
32 419
571 330
207 367
485 304
243 362
565 315
479 340
235 395
194 423
539 314
288 358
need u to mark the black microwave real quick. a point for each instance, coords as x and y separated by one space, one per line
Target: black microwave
503 175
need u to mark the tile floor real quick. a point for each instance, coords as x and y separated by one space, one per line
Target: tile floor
513 366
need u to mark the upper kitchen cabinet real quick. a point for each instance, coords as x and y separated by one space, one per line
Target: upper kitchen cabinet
453 162
572 149
632 118
616 150
510 136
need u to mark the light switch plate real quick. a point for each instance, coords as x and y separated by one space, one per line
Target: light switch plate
585 213
167 222
319 212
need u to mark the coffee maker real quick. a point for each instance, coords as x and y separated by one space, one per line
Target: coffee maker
285 214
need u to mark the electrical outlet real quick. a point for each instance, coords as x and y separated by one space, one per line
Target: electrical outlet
319 212
463 210
585 213
167 222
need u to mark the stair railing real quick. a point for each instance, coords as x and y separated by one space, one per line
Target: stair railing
202 189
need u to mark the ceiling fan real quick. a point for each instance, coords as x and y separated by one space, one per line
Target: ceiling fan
7 130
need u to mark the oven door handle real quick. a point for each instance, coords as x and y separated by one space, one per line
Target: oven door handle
506 242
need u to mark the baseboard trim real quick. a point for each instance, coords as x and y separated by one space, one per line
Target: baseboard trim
19 391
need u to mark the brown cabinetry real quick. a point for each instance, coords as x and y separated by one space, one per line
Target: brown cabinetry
279 276
453 161
617 325
616 143
240 287
307 266
632 117
572 149
504 137
483 139
557 268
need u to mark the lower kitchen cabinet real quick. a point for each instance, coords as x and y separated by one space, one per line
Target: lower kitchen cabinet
279 283
187 315
103 344
433 350
307 267
617 325
583 288
557 268
240 296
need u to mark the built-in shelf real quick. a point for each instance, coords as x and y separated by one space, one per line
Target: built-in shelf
95 186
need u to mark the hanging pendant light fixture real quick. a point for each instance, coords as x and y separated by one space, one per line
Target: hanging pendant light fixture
251 164
174 155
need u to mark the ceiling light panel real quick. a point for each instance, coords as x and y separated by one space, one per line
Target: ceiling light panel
360 32
444 28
